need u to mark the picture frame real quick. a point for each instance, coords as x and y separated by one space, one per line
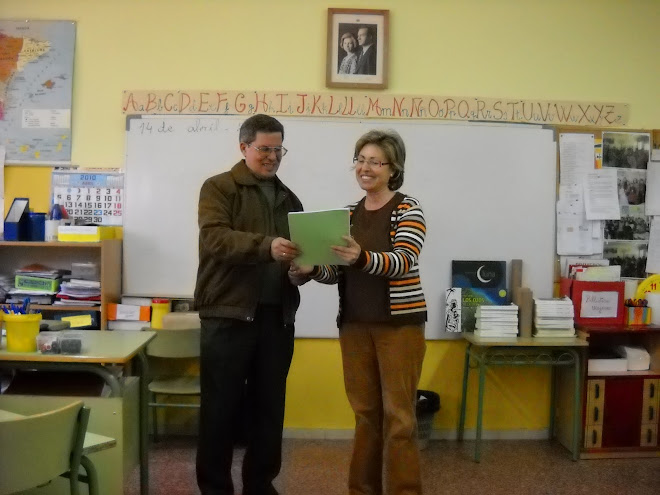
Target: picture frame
358 41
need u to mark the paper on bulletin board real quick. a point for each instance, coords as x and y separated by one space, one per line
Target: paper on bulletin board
653 188
576 155
601 198
653 254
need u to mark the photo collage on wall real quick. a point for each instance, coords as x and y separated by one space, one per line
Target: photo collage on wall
627 240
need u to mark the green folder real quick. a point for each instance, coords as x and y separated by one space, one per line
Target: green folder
315 231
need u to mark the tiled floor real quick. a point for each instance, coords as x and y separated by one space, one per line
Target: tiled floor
320 467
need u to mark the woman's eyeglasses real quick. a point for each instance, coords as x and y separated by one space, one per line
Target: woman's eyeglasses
267 150
372 163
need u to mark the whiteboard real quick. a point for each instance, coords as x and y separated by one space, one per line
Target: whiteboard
487 190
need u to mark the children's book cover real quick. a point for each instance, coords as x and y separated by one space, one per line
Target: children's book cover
479 274
473 297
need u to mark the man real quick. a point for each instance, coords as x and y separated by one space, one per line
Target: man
247 307
367 59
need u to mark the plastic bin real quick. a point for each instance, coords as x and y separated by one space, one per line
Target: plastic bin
22 331
428 403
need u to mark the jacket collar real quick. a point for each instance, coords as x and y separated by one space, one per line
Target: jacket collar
242 175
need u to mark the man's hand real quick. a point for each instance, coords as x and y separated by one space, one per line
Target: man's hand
282 249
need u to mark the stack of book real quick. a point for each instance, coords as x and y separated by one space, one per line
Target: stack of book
6 284
37 282
78 292
553 317
497 321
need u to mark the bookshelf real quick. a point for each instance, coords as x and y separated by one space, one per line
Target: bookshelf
620 409
107 254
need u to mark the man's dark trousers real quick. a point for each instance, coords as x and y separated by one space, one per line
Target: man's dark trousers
233 352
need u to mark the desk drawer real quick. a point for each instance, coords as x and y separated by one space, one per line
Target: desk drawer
595 402
593 436
650 401
649 436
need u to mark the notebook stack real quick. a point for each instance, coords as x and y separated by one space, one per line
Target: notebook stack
497 321
37 282
553 317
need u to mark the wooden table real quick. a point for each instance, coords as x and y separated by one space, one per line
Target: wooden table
99 347
522 351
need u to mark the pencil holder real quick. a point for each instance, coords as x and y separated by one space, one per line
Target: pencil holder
159 308
22 331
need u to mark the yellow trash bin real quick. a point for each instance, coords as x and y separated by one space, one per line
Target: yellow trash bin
22 331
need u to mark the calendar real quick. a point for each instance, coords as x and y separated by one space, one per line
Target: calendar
90 196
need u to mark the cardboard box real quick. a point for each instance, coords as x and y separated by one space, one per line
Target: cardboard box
637 315
37 283
128 312
600 366
81 233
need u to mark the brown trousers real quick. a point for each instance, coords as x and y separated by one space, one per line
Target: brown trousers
382 366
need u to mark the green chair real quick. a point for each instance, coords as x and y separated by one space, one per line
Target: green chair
39 448
173 344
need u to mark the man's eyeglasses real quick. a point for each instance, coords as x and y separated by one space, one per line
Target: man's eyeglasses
267 150
371 162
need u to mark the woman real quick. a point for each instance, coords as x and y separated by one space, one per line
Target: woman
382 311
349 44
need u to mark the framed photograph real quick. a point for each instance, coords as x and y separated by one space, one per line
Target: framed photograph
357 48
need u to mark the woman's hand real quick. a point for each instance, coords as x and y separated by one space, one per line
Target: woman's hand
298 275
349 253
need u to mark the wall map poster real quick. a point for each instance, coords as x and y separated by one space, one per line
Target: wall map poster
36 73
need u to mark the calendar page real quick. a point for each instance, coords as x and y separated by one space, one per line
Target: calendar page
90 196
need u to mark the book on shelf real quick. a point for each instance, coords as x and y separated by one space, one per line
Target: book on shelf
554 333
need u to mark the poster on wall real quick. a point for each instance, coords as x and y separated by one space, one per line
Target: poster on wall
627 239
36 74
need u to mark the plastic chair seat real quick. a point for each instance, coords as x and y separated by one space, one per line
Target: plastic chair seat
178 385
173 344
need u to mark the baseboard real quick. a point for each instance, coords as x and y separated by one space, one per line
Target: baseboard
346 434
438 434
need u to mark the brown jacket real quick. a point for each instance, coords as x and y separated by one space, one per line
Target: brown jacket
236 228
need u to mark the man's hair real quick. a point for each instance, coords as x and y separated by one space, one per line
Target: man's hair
259 123
370 31
390 142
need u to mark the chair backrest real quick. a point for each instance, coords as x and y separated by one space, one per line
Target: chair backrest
40 447
182 343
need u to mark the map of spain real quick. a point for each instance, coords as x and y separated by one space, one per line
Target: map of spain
36 69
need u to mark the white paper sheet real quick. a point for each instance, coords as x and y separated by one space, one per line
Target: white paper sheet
653 255
576 155
601 195
653 188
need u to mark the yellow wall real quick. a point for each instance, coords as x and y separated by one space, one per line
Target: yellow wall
595 50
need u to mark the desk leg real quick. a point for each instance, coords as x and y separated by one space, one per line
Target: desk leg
144 424
553 391
577 396
466 373
480 407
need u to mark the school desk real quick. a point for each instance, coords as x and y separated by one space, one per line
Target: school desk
522 351
99 349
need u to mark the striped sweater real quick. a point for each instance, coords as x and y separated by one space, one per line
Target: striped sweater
407 234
